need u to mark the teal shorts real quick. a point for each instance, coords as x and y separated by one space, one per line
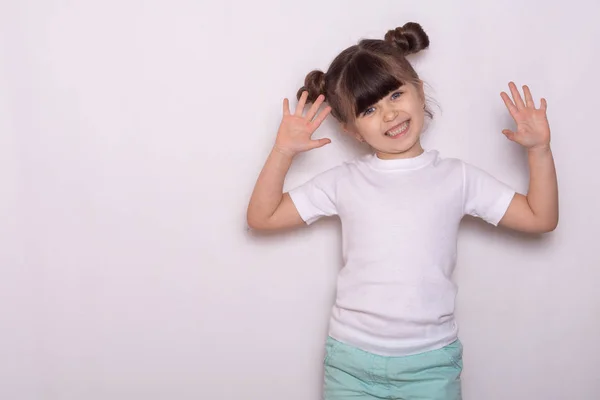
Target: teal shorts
351 373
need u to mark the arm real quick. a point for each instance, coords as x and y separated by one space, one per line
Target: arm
538 211
269 207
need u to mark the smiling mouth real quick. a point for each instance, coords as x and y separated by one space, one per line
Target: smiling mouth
398 130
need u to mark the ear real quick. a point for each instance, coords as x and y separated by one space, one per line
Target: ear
350 130
421 89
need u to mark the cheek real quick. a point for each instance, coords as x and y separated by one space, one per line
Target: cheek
369 128
418 112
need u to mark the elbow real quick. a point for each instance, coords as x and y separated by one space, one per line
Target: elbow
553 226
255 224
549 226
252 223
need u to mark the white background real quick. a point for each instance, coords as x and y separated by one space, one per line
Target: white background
132 133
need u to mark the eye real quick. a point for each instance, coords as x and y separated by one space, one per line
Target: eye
396 95
368 111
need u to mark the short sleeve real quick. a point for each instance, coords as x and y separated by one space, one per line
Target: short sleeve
485 196
317 197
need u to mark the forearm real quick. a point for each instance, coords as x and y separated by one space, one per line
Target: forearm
268 191
543 188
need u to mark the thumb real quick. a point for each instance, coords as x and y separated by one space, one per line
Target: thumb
509 134
315 144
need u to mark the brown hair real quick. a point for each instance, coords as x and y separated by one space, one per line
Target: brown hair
365 73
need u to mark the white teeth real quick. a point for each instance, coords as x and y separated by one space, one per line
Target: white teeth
398 130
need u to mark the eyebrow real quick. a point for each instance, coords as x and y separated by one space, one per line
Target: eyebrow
389 93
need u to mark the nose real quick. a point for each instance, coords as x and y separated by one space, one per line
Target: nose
390 114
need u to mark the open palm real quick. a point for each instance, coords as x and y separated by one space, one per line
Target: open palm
296 130
533 129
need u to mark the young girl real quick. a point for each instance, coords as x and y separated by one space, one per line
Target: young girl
392 331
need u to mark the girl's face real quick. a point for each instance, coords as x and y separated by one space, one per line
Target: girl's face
393 125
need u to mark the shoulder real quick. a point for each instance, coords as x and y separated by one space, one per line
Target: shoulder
444 161
348 167
331 175
450 164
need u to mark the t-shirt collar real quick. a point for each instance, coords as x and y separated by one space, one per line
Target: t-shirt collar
412 163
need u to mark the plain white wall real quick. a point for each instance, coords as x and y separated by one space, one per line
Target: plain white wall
131 135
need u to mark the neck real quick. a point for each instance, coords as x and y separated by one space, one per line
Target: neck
414 151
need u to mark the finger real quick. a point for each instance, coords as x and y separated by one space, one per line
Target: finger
512 109
315 144
516 96
321 117
509 134
528 97
286 107
313 110
543 104
301 103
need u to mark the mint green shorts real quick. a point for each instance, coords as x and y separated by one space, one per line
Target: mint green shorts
351 373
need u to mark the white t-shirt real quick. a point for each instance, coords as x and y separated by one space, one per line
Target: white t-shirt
400 221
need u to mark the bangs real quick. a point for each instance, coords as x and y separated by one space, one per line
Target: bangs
367 80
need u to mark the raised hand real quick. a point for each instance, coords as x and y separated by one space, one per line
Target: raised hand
533 130
295 131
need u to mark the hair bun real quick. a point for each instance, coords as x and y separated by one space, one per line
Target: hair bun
410 38
314 83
